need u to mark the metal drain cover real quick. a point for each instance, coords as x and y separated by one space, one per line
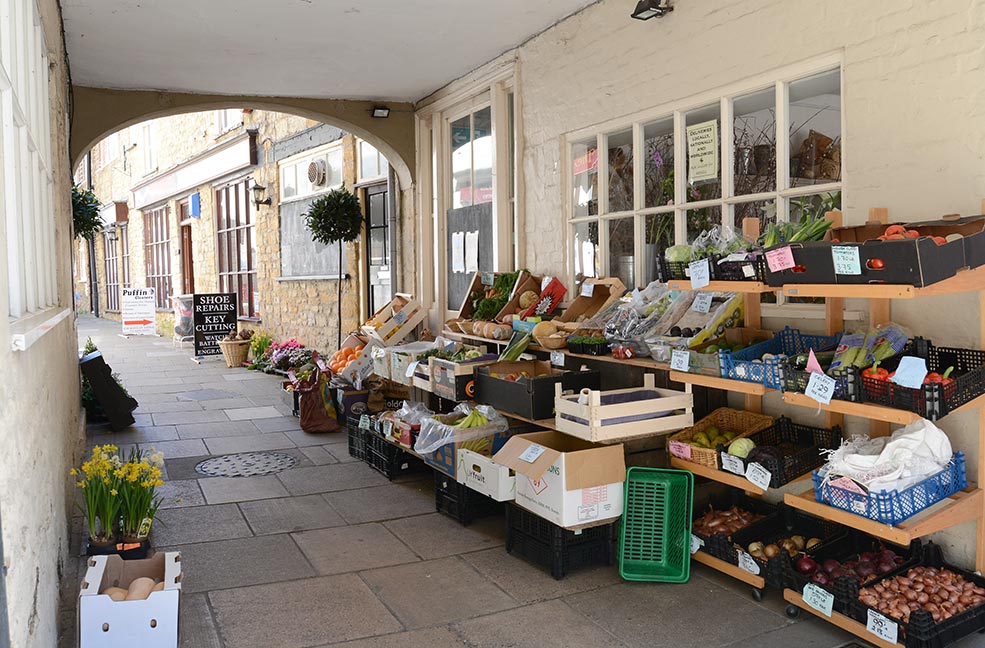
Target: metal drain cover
246 464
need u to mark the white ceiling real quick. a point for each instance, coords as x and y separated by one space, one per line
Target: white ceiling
350 49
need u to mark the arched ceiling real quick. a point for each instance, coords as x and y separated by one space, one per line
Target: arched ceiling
347 49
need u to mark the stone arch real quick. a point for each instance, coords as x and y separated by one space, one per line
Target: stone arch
98 112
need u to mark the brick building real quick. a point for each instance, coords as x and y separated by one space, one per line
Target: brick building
214 201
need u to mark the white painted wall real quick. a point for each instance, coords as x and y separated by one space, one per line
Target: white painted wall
914 103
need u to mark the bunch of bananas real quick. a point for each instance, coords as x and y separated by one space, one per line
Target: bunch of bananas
474 419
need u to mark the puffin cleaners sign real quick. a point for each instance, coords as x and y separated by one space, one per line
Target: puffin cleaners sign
138 311
215 317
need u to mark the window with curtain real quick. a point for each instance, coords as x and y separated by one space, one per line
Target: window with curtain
111 262
157 254
236 241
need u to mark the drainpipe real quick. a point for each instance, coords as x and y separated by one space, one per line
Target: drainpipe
393 233
93 286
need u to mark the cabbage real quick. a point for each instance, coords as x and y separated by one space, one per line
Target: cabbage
741 448
678 253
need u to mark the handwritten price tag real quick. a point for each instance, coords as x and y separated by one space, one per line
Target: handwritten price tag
678 449
410 368
488 278
696 543
758 475
820 387
733 464
364 422
557 358
818 598
400 317
747 563
882 627
700 273
680 360
702 303
846 260
587 289
532 452
780 259
910 372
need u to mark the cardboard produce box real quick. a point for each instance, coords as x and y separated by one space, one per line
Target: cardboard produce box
564 480
456 380
350 402
483 475
530 396
445 458
591 300
148 623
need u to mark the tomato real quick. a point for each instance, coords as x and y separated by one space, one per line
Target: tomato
875 264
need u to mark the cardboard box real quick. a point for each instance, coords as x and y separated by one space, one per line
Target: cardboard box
445 458
564 480
526 325
604 292
524 282
529 397
483 475
150 623
456 380
362 366
351 402
395 321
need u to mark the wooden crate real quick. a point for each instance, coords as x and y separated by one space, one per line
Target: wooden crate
524 282
422 375
602 422
395 321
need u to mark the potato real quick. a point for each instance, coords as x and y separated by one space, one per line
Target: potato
115 593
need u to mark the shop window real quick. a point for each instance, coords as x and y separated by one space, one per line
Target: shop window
815 130
227 120
586 244
124 234
111 260
372 163
472 158
620 186
157 254
585 163
754 142
311 173
236 241
658 163
621 249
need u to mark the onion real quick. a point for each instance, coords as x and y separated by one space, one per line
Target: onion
806 565
865 569
830 565
885 567
820 578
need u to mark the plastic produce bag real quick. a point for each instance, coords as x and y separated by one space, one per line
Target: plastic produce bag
437 431
413 412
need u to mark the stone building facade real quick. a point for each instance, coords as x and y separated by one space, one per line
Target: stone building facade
186 166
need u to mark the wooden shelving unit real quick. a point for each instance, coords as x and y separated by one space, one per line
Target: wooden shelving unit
840 620
724 286
714 474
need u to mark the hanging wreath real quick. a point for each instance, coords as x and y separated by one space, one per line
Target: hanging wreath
335 217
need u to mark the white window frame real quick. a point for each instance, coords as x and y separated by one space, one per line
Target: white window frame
779 80
228 119
109 149
147 132
382 164
300 162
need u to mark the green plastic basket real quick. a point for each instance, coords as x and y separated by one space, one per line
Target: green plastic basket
655 538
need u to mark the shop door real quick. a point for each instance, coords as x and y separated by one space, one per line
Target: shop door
377 230
187 261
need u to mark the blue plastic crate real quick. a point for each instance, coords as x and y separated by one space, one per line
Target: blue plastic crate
789 341
895 506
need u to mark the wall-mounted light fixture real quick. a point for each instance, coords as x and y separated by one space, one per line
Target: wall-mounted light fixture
381 112
646 9
111 234
258 199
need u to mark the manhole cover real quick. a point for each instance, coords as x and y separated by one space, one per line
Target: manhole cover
246 464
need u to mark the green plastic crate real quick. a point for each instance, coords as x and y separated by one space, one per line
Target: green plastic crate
655 538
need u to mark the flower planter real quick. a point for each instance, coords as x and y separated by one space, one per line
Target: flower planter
124 549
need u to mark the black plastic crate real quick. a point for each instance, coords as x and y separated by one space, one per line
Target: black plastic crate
357 438
559 550
389 459
460 502
789 523
809 440
933 400
719 545
846 381
921 631
670 270
748 270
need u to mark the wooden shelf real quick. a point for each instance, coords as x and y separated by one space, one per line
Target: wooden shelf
736 481
863 410
740 386
724 286
961 507
546 423
965 281
840 620
729 569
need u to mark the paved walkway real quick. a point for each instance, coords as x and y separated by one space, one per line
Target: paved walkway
329 552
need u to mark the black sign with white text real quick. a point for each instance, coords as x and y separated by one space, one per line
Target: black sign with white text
215 317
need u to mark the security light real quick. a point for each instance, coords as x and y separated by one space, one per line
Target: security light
646 9
381 112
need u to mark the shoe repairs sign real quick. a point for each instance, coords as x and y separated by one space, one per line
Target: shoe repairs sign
215 317
138 311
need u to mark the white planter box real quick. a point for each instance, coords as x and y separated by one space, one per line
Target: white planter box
483 475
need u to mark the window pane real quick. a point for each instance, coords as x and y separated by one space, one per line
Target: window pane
815 129
658 163
461 162
621 250
701 220
658 235
368 161
335 164
243 245
814 206
288 181
702 139
377 243
377 210
621 171
482 156
754 133
764 210
586 250
585 162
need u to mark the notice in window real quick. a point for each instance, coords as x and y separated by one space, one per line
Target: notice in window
472 251
702 151
458 252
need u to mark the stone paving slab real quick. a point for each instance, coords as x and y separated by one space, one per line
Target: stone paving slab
175 406
280 424
551 624
252 413
201 416
352 548
427 638
300 438
247 443
142 435
288 514
383 502
219 490
199 524
301 614
195 623
318 455
226 403
173 449
207 394
335 477
180 493
340 451
209 430
436 535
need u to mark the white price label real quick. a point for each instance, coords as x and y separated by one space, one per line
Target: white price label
818 598
758 475
747 563
364 422
820 387
702 303
696 543
387 428
544 282
700 272
680 360
587 288
733 464
910 372
532 452
557 358
411 367
488 278
400 317
846 261
882 627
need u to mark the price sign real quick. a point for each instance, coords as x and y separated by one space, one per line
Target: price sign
587 289
820 387
532 452
678 449
364 422
818 598
700 273
400 317
845 259
488 278
733 464
910 372
387 428
780 259
410 368
696 543
882 627
748 271
758 475
321 364
680 360
557 358
702 303
747 563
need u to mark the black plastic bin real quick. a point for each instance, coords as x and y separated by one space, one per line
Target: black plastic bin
719 545
357 438
460 502
557 549
389 459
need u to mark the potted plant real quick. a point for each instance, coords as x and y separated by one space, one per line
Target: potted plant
335 217
100 495
85 213
597 346
576 344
